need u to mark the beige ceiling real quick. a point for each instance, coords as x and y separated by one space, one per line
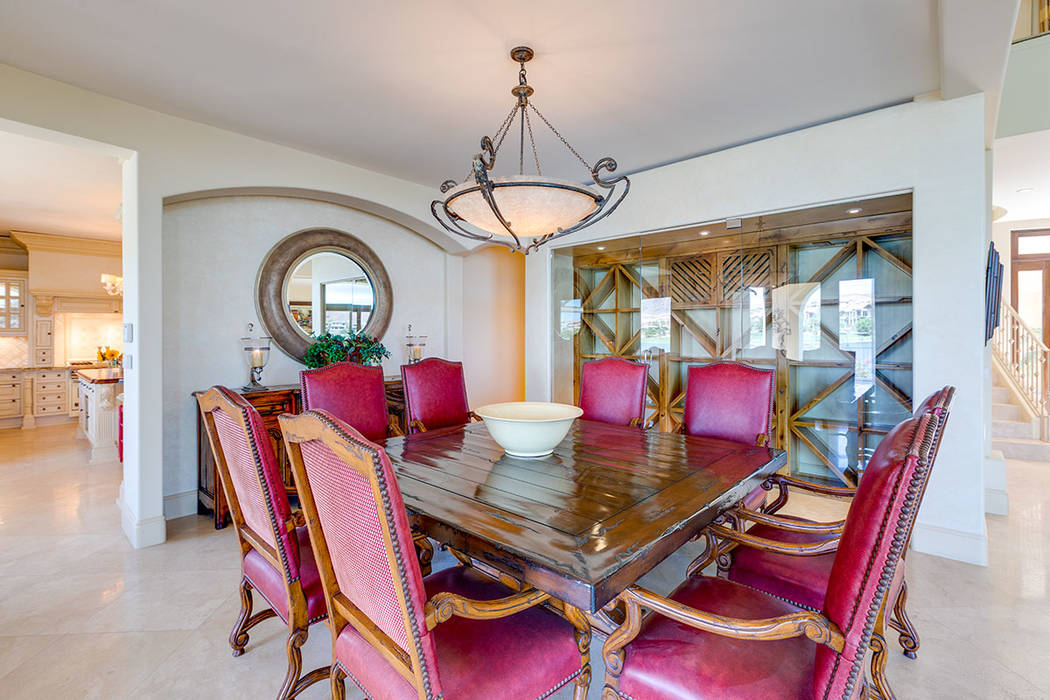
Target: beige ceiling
409 87
51 188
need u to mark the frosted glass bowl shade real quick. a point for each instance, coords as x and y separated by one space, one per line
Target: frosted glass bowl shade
528 428
531 204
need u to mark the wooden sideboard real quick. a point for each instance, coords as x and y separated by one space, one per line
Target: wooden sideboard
270 403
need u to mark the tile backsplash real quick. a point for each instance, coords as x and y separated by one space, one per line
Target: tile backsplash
14 352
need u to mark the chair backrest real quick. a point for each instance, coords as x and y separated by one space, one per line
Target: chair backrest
353 393
877 528
362 543
613 390
250 477
435 394
731 401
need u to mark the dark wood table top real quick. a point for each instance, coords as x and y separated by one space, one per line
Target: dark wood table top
584 523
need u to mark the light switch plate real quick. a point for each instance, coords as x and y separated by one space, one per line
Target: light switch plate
129 332
126 362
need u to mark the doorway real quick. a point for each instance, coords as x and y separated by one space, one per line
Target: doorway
1030 270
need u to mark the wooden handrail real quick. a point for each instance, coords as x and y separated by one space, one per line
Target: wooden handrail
1025 358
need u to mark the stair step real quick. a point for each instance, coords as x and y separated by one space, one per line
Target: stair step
1010 429
1006 411
1000 394
1031 450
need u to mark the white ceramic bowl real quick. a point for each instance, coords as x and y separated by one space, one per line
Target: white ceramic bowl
528 428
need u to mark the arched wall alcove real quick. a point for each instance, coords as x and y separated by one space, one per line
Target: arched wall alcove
214 243
434 234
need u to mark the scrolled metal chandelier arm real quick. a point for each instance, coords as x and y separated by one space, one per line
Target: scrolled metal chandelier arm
535 203
607 206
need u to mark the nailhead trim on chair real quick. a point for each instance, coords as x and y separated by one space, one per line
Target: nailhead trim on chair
402 575
907 515
262 480
360 687
560 685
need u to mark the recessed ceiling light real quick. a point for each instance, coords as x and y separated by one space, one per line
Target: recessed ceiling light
704 232
854 210
601 247
1025 190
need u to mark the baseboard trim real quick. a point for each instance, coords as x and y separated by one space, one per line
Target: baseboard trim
179 505
946 542
141 533
996 502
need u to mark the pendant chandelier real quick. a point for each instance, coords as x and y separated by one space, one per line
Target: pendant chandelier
523 211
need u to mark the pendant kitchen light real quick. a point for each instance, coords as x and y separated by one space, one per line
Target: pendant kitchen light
523 211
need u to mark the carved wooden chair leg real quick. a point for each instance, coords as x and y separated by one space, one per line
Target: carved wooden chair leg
425 552
909 638
239 634
245 621
295 640
338 678
582 632
880 684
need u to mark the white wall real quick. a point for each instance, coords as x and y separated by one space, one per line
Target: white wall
934 148
212 251
165 156
1025 106
494 326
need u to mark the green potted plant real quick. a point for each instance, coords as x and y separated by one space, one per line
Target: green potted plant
356 347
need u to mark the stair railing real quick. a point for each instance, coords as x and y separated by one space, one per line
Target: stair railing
1025 360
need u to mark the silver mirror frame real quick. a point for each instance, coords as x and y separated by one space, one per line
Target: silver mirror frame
277 266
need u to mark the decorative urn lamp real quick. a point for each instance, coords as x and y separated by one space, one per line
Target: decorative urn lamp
257 354
414 346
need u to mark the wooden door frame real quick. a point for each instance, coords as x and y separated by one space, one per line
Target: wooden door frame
1031 261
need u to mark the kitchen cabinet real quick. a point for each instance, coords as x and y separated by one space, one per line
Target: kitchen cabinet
10 394
12 303
98 411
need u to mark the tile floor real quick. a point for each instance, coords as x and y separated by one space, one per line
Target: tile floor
83 615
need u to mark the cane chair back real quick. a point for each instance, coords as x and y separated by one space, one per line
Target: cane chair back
362 542
250 477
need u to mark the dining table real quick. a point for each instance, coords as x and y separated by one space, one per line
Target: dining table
585 522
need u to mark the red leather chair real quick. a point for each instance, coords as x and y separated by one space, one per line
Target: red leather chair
276 558
435 395
713 638
773 555
613 391
731 401
396 634
353 393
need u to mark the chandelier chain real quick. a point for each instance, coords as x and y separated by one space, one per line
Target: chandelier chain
501 133
532 140
560 137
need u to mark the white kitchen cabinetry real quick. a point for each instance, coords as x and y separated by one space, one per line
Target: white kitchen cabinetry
13 303
98 412
10 394
51 393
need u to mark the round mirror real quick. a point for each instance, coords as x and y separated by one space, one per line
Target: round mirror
321 281
328 293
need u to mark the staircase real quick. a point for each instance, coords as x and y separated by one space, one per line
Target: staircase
1021 395
1014 432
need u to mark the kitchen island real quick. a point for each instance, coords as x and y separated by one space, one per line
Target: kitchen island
98 389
